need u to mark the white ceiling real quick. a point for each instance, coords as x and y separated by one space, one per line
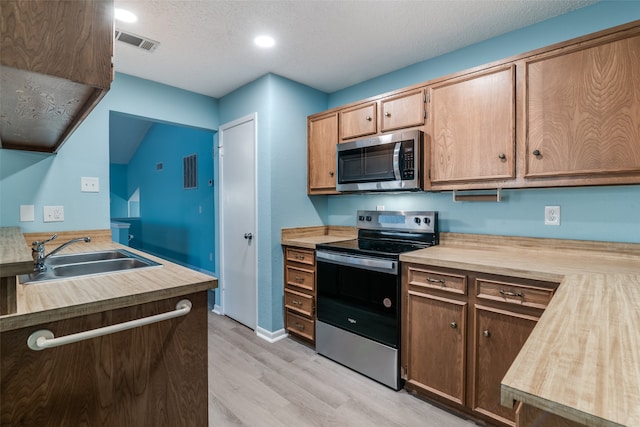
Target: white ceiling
206 45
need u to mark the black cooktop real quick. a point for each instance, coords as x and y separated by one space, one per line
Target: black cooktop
383 243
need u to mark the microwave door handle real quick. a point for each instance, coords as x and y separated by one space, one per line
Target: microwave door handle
396 160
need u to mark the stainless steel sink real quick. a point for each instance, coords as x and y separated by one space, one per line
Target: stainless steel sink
88 264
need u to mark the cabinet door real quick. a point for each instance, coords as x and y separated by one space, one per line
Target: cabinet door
472 125
436 339
499 335
402 111
153 375
582 111
321 151
359 121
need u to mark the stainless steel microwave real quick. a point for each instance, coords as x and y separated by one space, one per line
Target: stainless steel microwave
389 162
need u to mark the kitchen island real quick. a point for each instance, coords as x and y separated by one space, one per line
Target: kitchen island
582 360
149 375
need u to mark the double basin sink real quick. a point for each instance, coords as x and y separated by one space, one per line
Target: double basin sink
88 264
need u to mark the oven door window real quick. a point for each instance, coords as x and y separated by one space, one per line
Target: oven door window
366 164
361 301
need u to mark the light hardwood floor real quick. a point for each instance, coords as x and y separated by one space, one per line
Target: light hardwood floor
257 384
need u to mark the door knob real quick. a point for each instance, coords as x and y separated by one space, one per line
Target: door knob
248 236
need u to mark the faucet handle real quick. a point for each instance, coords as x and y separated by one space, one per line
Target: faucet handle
38 244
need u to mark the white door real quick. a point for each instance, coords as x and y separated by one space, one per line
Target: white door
237 142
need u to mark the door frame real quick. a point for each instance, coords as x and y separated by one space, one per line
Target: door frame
222 128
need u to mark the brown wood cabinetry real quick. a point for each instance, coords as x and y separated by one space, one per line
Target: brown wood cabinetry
583 108
300 292
472 127
530 416
461 332
359 121
402 111
322 134
147 376
55 66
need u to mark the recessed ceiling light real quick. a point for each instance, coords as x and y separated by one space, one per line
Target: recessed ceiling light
125 16
264 41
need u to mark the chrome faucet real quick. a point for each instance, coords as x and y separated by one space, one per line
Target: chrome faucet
37 251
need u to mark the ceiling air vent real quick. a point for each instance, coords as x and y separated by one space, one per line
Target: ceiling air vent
137 41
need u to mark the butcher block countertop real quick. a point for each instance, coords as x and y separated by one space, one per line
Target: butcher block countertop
60 299
309 237
582 360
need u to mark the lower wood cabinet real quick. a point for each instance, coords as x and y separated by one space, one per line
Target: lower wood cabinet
300 293
153 375
462 331
530 416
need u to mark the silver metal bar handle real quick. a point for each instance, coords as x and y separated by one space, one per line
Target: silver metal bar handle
511 294
396 160
44 338
376 264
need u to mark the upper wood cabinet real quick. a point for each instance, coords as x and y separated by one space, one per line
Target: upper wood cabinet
402 111
359 121
583 111
322 137
472 127
55 67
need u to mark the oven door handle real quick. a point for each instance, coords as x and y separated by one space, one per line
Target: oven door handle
367 263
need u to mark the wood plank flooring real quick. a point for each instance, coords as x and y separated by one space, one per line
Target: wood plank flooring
257 384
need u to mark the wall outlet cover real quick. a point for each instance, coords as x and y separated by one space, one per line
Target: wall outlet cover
27 213
53 214
89 184
552 215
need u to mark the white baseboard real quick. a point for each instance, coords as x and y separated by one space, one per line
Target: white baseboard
271 336
217 309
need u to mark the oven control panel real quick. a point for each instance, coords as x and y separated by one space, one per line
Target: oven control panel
420 221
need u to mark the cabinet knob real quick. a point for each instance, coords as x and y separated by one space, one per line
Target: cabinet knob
331 173
502 156
486 333
387 114
453 325
368 118
536 152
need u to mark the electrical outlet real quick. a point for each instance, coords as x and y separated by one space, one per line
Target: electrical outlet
379 207
89 184
53 214
552 215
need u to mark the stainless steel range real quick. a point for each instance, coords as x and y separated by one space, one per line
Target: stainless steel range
358 285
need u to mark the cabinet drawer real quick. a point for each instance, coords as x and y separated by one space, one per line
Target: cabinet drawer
297 301
424 278
303 256
512 293
301 326
301 278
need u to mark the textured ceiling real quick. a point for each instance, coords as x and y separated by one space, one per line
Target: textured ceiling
206 46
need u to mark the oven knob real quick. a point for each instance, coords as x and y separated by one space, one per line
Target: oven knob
427 220
368 218
361 218
417 220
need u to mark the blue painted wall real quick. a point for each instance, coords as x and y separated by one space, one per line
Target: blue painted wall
596 213
119 195
282 107
40 179
176 223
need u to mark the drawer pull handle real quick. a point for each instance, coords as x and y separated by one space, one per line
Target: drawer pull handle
511 294
296 302
453 325
300 256
300 326
299 279
441 281
44 338
486 333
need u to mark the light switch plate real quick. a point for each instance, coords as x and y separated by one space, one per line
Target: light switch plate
27 213
89 184
53 214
